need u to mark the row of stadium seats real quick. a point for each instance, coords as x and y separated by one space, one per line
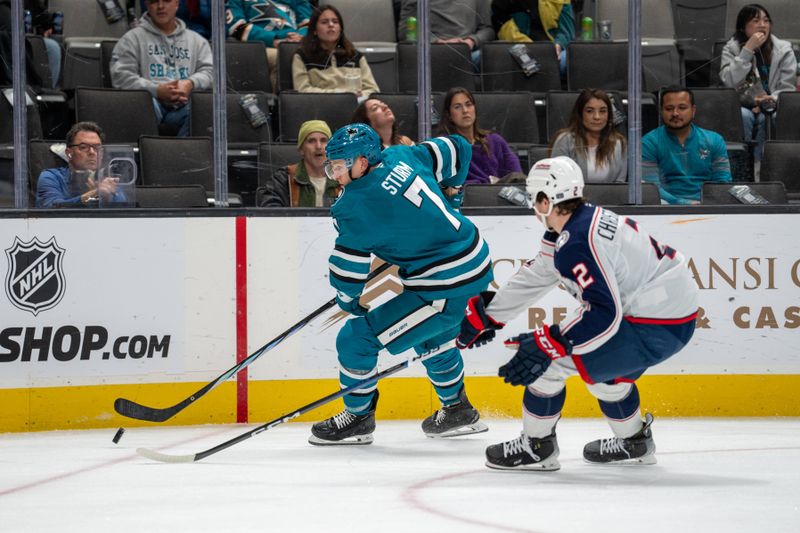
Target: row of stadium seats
171 161
520 117
601 64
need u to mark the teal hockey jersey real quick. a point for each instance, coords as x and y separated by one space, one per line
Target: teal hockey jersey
398 213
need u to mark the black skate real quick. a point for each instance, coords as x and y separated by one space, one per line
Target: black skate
639 449
345 428
524 453
454 420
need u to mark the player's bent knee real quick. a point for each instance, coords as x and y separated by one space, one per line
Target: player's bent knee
610 392
357 338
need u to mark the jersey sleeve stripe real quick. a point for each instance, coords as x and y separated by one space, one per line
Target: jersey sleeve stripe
351 251
347 276
351 257
438 160
453 154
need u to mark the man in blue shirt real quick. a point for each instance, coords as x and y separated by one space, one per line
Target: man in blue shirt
76 184
679 156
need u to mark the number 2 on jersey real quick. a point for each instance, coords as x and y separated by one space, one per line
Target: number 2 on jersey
412 194
582 275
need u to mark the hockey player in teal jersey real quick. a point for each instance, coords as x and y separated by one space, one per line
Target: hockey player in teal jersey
401 205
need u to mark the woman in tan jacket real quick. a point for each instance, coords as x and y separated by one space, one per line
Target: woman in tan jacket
327 62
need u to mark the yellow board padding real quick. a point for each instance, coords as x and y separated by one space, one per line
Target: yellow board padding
400 398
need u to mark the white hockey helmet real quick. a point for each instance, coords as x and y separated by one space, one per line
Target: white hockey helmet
560 178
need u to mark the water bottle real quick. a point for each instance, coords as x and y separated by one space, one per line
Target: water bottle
111 10
58 22
587 29
249 104
411 29
28 21
605 30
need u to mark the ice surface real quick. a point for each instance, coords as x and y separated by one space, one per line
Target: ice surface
725 475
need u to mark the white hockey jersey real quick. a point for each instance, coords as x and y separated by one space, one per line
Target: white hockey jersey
615 269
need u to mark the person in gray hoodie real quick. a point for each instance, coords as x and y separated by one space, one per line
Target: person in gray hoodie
759 66
165 58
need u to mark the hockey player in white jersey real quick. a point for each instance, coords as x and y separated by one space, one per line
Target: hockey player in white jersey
638 306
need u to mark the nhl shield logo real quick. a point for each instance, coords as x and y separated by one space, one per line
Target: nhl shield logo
35 278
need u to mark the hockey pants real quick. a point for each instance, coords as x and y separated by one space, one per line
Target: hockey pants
406 321
609 373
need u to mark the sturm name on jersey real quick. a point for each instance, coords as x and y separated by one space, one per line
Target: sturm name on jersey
69 343
397 177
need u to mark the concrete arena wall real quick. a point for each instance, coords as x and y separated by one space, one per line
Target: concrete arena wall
151 309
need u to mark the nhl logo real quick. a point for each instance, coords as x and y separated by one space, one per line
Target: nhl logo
35 278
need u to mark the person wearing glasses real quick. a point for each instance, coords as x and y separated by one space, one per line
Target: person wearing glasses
75 184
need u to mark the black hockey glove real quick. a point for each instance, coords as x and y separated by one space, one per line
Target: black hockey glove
535 352
353 306
477 327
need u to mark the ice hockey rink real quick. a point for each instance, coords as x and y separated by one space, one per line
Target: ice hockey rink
725 475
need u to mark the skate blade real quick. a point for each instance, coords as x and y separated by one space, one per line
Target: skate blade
349 441
640 461
469 429
550 465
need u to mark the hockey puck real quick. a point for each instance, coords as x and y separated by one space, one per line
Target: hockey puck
118 435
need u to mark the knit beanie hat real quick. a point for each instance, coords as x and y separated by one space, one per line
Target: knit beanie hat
312 126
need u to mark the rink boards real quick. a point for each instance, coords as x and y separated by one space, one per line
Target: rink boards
153 308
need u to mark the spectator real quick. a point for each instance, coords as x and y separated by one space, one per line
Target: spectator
75 183
168 60
6 74
453 21
376 113
195 13
679 156
759 66
592 141
527 21
271 22
327 62
492 158
304 184
43 25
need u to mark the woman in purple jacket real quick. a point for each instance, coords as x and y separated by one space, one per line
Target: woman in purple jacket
492 158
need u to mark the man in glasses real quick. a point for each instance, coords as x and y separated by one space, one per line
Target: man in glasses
401 205
76 184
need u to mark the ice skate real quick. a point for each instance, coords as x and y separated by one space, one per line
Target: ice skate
638 449
454 420
524 453
345 428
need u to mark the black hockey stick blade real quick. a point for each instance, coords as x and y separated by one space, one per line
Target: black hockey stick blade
131 409
191 458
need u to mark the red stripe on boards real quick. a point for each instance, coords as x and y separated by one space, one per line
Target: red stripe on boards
241 317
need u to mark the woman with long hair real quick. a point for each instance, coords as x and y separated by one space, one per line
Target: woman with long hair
492 158
592 141
376 113
759 66
327 62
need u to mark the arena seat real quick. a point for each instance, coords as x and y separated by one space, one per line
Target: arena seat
501 72
718 193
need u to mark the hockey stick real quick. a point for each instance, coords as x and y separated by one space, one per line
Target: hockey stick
191 458
131 409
